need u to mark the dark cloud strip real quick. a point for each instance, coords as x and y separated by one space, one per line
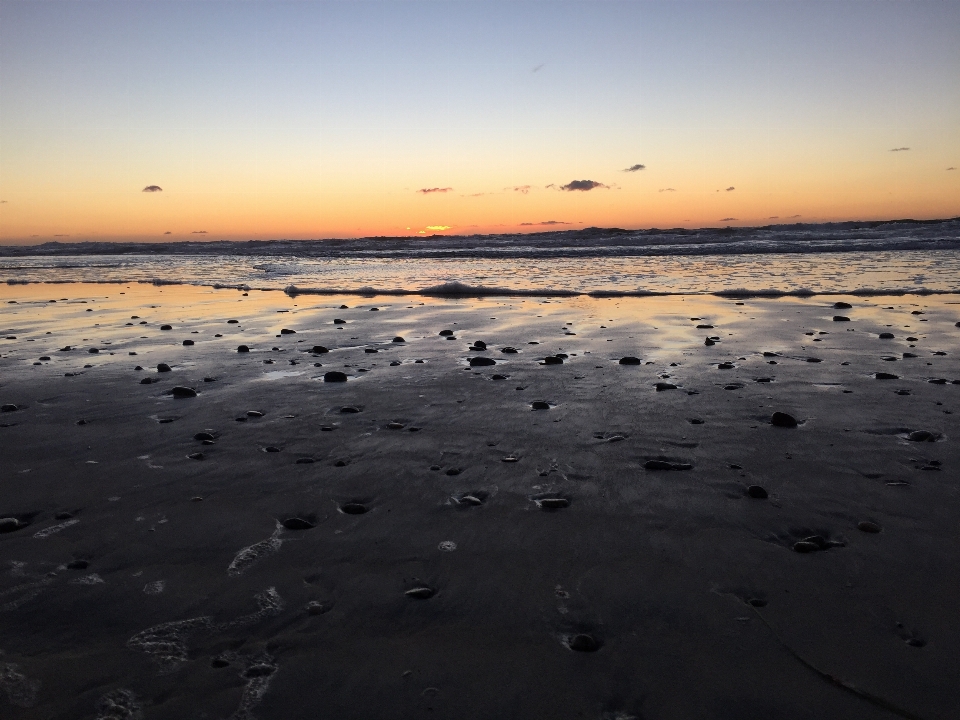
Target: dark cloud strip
428 191
635 168
582 185
903 149
152 188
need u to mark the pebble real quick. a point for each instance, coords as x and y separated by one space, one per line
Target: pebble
709 342
757 492
398 339
922 436
254 413
334 376
868 527
163 367
479 345
242 349
509 350
446 333
696 421
498 377
9 524
9 407
188 342
540 405
782 419
553 360
149 380
196 456
704 327
166 327
483 361
584 643
339 321
813 360
78 565
726 366
353 508
315 607
908 355
630 360
271 449
349 409
841 318
804 546
470 500
296 523
204 436
319 349
886 376
665 386
183 392
842 305
287 331
886 336
232 322
553 503
421 593
93 350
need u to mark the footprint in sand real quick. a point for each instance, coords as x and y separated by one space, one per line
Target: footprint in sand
244 559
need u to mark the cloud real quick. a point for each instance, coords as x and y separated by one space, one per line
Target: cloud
666 190
538 67
428 191
61 235
730 189
4 202
773 217
635 168
582 185
439 227
152 188
727 219
199 232
547 222
522 189
168 233
899 149
477 195
794 216
949 168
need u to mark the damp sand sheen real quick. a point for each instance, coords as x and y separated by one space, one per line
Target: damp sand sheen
474 507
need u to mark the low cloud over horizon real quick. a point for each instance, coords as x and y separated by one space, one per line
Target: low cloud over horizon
903 149
545 222
666 190
730 189
152 188
727 219
428 191
635 168
582 185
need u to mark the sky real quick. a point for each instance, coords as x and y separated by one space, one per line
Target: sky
264 120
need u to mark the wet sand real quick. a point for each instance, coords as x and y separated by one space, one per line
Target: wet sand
419 541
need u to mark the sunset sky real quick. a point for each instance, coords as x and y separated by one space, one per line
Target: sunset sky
329 119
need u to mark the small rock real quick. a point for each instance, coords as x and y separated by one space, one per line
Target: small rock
922 436
315 607
868 526
305 461
9 524
232 322
353 508
540 405
196 456
482 361
287 331
183 392
498 377
726 366
886 376
78 565
398 339
350 409
370 351
334 376
166 327
204 436
163 367
842 305
553 503
784 420
243 349
421 593
254 413
188 342
709 342
757 492
584 643
704 327
446 333
395 426
841 318
319 349
93 350
9 407
479 345
509 350
630 360
339 321
885 336
660 386
553 360
804 546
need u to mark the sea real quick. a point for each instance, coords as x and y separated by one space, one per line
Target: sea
860 258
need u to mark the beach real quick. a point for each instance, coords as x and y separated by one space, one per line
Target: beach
605 522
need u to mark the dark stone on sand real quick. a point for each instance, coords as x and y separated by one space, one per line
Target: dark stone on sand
421 593
287 331
938 381
398 339
148 380
757 602
470 500
254 413
183 392
9 524
242 349
196 456
204 436
9 407
188 342
370 350
93 350
316 607
339 321
271 449
908 355
350 409
334 376
233 322
657 465
553 503
553 360
696 421
842 305
166 327
784 420
319 349
446 333
498 377
709 342
78 565
353 508
584 643
480 345
66 348
540 405
453 472
813 360
767 353
44 357
296 523
344 307
219 663
163 367
726 366
704 327
509 350
395 426
660 386
630 360
805 546
341 463
841 318
886 376
923 436
757 492
733 386
482 362
885 336
868 526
